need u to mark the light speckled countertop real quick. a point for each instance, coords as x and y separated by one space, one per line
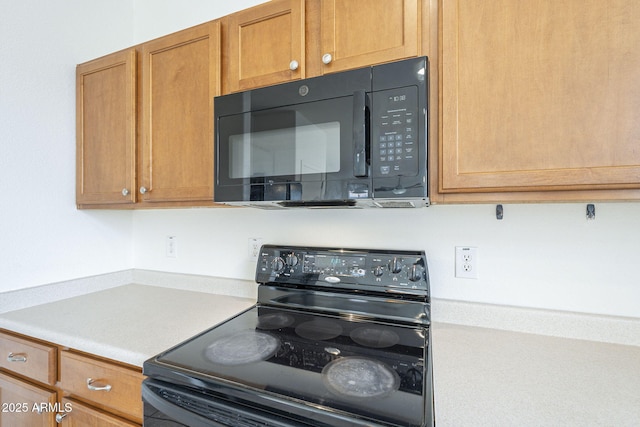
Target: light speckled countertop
482 376
129 323
488 377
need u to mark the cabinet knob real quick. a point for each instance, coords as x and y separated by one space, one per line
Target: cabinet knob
125 192
143 190
327 58
293 65
60 417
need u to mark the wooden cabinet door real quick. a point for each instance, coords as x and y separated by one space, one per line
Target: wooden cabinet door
356 34
86 416
262 44
106 130
20 402
540 95
180 77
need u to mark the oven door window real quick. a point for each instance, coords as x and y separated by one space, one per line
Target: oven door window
304 142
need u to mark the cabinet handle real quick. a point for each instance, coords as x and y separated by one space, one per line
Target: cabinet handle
92 387
293 65
17 357
143 190
125 192
327 58
60 417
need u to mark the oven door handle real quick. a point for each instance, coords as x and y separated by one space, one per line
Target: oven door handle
360 134
176 413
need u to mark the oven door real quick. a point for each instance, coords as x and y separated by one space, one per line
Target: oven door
313 151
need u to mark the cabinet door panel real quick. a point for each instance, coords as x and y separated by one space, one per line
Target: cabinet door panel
262 43
180 78
106 129
357 35
20 401
86 416
540 95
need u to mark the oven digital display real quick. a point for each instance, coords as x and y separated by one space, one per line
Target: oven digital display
353 266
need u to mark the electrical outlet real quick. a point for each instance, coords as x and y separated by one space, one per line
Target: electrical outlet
171 247
255 243
466 262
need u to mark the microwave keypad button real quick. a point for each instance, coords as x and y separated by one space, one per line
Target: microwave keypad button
384 170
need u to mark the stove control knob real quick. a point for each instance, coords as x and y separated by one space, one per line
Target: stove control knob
378 270
292 260
415 273
395 266
277 265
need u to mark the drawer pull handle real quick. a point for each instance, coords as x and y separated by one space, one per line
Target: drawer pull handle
92 387
17 357
60 417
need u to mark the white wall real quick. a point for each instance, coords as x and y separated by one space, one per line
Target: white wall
43 238
540 255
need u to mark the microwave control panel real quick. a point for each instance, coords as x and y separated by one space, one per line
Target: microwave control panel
395 139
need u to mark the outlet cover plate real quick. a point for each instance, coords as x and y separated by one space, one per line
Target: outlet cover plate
466 262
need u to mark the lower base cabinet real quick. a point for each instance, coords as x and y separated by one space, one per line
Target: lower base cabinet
25 404
82 415
46 385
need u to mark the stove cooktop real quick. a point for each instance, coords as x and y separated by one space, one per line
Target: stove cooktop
350 365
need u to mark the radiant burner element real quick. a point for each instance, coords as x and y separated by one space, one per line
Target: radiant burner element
242 348
319 329
360 377
275 321
374 337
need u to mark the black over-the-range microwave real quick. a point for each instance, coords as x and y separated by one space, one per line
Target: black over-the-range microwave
356 138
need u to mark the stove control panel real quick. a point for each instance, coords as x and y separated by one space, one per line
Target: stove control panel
378 270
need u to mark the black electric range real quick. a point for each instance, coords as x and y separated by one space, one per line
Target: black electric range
339 337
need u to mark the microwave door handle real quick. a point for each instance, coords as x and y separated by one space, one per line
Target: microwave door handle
360 134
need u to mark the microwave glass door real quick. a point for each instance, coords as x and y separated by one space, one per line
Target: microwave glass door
300 150
298 143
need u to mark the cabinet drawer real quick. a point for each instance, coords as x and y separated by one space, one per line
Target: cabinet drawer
104 384
28 358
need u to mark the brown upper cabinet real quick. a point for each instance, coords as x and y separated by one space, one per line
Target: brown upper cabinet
180 78
106 130
264 45
161 91
354 34
284 40
539 96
